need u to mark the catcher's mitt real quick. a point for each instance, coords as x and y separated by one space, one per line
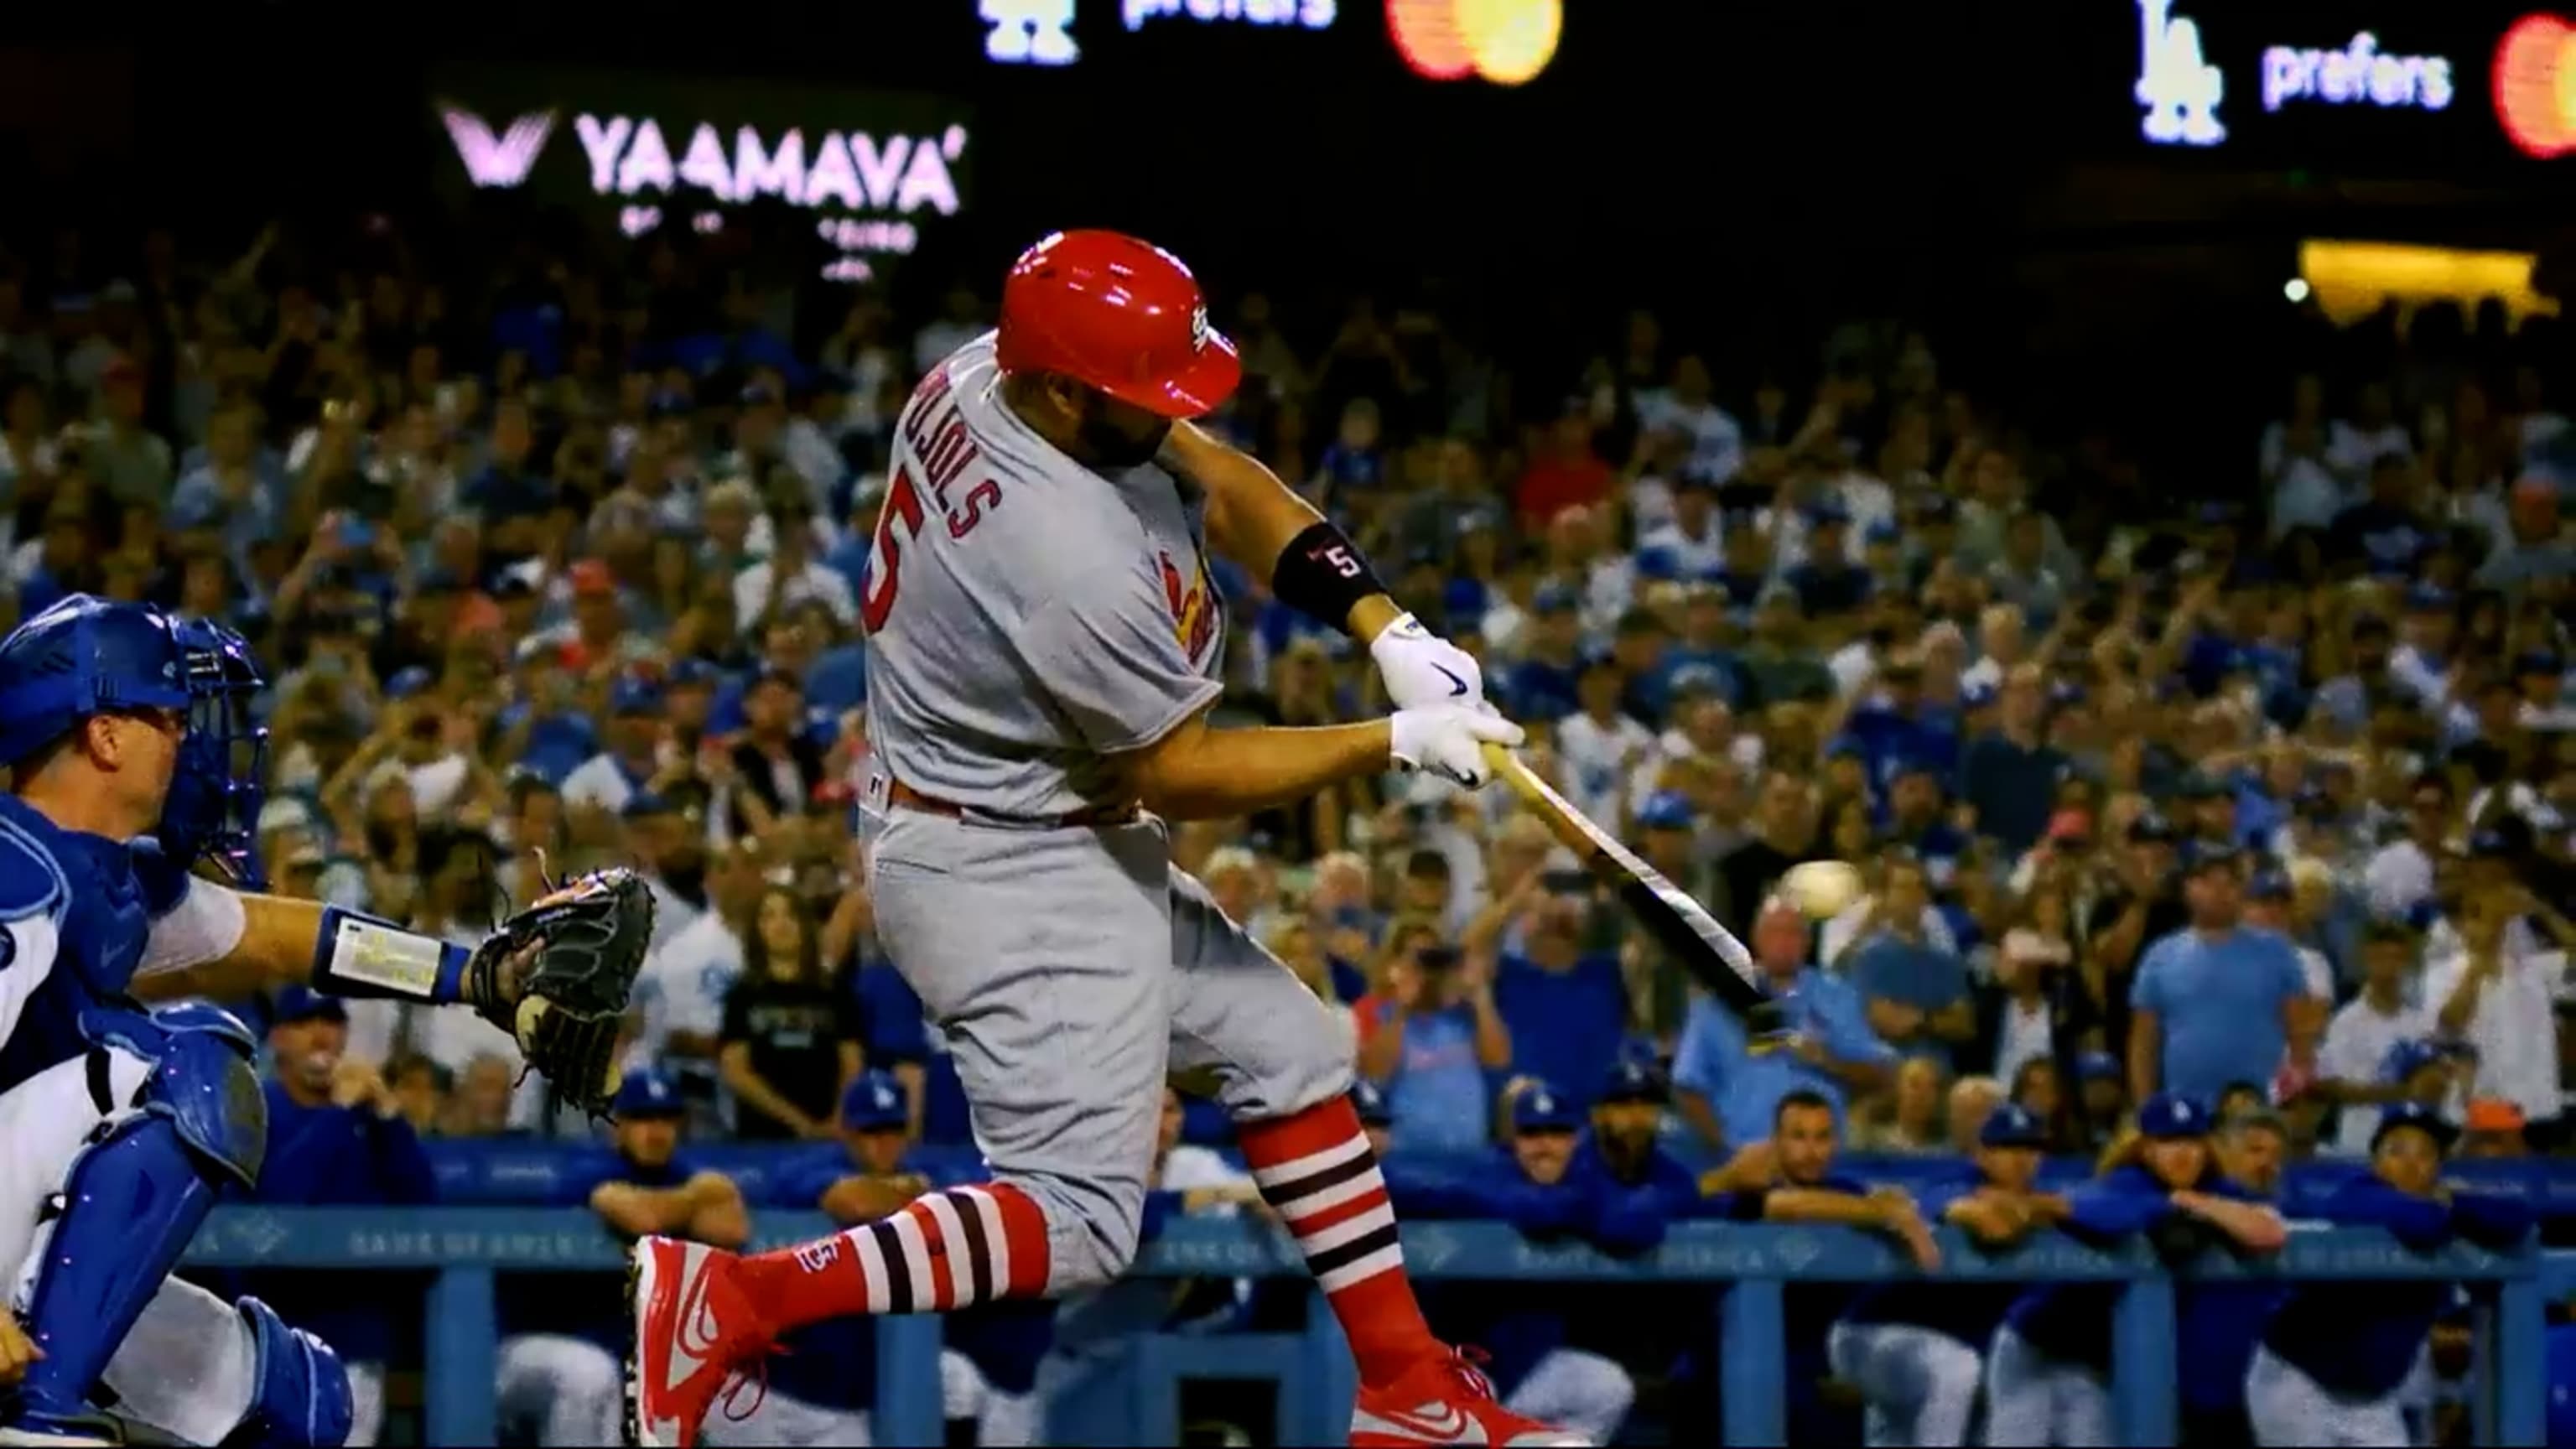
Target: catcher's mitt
556 977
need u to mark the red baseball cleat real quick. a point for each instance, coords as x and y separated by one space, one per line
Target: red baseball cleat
1445 1399
693 1329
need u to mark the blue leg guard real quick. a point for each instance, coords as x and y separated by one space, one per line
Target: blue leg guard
302 1401
132 1200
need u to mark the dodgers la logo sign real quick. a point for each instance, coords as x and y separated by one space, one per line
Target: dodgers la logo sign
2179 88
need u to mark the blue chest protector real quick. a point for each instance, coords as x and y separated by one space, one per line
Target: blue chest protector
87 887
138 1191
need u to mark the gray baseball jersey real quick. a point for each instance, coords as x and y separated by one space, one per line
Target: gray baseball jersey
1025 615
1027 618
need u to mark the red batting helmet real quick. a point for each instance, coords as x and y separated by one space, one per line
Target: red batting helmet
1120 315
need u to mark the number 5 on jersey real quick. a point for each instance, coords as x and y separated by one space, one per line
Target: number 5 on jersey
903 510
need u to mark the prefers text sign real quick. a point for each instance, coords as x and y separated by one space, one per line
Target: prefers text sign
2373 87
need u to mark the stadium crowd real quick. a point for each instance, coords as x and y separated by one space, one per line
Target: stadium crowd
2257 795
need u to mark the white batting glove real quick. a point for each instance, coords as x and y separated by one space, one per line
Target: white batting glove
1448 741
1423 670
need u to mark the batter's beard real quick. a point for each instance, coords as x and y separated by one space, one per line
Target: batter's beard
1112 451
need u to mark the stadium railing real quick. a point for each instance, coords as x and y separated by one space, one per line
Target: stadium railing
465 1248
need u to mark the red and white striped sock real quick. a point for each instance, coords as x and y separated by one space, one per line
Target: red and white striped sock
942 1251
1316 1169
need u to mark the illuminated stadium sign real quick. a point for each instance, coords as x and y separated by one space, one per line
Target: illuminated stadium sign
1305 14
1503 41
2535 86
873 172
2356 74
2179 88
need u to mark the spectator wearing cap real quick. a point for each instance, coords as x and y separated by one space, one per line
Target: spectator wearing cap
767 773
1542 685
1912 1350
2497 992
1895 724
2101 1095
1828 582
336 1138
629 763
2271 904
2364 1036
2493 1128
1777 664
1545 1183
1641 1188
562 1335
598 635
1601 747
1907 969
1701 657
2009 777
2140 903
1727 1084
2218 1002
2429 639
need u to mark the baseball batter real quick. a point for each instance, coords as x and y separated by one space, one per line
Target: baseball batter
1043 641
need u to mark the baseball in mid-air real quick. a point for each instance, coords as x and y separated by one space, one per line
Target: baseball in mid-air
1821 889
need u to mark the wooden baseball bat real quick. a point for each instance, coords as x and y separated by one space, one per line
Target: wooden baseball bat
1707 950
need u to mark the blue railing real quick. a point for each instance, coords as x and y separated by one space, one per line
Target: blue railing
466 1247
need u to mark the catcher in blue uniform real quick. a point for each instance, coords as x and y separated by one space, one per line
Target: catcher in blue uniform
134 758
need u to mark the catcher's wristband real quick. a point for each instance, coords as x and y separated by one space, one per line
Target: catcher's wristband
364 956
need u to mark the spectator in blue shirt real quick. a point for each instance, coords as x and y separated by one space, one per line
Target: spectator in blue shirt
1566 1007
1729 1086
2218 1002
1542 684
1916 993
1828 583
1430 1044
336 1138
2009 777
